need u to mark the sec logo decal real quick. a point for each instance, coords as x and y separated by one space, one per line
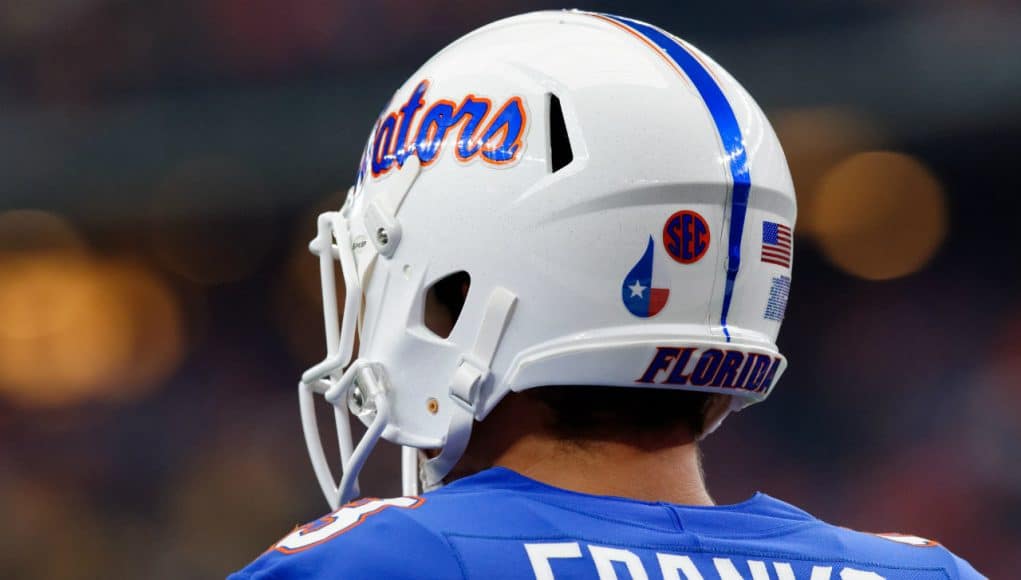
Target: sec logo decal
686 236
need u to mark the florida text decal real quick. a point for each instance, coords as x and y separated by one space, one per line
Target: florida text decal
712 367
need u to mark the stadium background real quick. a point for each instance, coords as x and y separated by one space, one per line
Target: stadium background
161 164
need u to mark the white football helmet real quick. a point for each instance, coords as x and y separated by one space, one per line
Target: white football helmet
622 207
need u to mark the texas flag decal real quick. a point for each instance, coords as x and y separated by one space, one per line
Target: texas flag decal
643 292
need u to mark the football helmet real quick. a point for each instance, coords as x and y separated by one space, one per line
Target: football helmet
620 203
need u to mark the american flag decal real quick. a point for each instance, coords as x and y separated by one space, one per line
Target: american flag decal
776 244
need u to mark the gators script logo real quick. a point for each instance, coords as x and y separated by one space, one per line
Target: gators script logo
492 133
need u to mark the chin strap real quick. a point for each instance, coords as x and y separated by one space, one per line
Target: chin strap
472 371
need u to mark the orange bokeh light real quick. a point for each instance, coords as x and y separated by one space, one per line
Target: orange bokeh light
880 215
64 333
77 326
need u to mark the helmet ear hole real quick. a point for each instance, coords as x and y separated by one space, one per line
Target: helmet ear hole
560 153
444 301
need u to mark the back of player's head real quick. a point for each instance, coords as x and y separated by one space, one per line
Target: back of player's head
613 206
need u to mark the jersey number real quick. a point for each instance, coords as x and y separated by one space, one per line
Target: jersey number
330 526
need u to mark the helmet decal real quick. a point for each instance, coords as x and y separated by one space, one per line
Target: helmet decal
776 304
776 244
727 126
495 138
686 236
643 292
712 367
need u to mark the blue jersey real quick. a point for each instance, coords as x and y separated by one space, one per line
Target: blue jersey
498 524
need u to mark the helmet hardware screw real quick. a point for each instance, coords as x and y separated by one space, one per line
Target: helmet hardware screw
357 402
382 237
432 405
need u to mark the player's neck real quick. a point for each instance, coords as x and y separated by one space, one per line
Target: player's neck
614 468
518 434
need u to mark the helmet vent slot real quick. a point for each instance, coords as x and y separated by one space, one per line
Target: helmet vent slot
560 153
444 301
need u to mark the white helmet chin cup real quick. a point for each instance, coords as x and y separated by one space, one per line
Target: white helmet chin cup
620 203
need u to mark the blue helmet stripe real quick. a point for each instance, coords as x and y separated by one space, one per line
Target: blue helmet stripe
730 136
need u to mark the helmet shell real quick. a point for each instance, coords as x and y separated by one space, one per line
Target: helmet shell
642 262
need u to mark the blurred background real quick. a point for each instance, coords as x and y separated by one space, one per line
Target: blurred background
161 164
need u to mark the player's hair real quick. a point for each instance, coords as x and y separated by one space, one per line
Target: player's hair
585 413
582 413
